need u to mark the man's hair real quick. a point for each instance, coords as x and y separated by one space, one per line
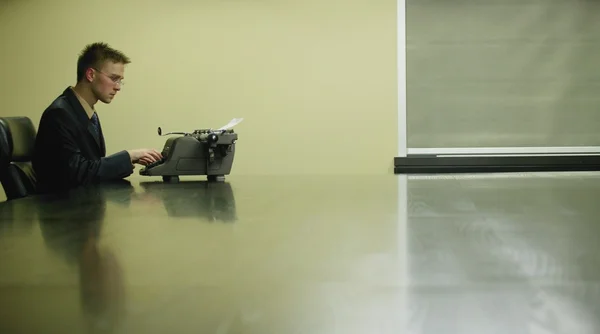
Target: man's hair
94 55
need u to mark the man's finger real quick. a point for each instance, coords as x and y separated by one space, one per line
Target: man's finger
151 157
146 159
155 154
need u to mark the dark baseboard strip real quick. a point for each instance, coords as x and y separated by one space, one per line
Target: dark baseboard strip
422 164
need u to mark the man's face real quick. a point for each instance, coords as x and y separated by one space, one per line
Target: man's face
107 80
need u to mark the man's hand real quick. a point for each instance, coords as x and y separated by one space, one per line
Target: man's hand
144 156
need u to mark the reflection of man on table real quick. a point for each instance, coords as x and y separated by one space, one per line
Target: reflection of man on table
71 225
102 286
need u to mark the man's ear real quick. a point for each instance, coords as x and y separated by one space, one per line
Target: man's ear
89 74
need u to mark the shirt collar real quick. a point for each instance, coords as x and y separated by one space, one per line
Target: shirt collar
86 106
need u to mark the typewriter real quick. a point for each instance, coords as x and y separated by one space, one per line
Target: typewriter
202 152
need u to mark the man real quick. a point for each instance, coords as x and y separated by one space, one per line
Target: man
69 148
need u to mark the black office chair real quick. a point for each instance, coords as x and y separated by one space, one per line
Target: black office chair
17 138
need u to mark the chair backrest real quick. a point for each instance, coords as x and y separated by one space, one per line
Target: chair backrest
17 142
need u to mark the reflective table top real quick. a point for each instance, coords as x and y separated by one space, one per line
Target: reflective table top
305 254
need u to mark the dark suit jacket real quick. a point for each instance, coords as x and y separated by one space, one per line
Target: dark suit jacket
68 153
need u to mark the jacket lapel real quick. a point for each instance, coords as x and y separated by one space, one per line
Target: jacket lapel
83 118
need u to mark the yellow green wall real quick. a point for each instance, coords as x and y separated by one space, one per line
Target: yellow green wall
314 80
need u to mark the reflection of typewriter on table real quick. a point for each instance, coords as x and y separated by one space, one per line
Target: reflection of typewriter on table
203 152
211 201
